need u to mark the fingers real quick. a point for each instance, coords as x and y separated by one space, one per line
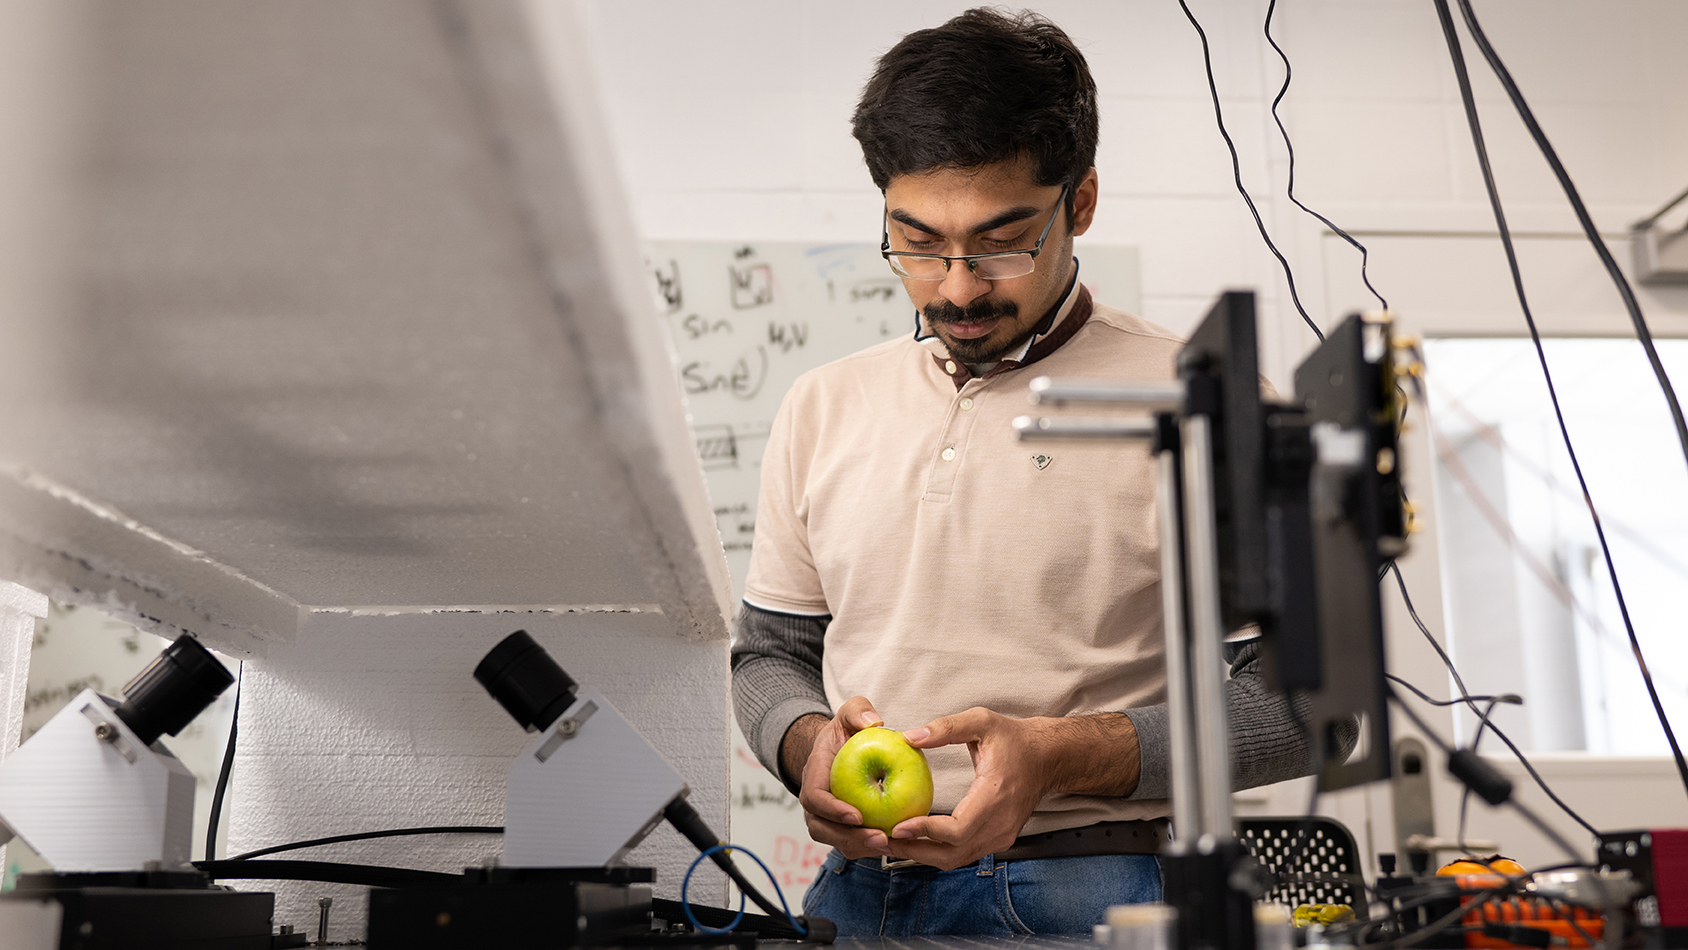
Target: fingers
967 726
819 801
851 842
941 841
942 856
942 828
857 714
985 821
816 798
947 842
969 823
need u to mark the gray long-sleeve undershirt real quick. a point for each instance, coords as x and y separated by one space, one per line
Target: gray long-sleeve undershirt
777 680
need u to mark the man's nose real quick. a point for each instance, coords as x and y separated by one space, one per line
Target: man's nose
961 286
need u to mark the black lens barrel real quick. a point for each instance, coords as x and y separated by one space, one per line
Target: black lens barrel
171 690
526 681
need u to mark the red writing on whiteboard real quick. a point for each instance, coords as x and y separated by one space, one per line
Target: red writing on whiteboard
796 862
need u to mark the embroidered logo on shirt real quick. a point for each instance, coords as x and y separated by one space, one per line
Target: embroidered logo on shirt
1041 461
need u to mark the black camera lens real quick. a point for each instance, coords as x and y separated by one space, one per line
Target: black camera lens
526 681
172 689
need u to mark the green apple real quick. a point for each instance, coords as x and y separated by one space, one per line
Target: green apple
884 777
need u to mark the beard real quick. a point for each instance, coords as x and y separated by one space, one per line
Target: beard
984 349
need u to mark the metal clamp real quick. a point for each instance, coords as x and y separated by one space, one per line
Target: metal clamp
1153 395
1032 428
566 730
108 732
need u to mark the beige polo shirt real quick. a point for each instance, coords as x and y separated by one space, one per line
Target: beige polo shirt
961 566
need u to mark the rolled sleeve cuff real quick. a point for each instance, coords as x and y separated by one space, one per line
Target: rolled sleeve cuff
768 603
775 724
1154 779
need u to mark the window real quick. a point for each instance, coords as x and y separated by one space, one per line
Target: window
1530 606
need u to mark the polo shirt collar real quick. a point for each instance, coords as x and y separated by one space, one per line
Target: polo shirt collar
1057 326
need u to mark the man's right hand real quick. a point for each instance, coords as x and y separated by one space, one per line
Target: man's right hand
831 822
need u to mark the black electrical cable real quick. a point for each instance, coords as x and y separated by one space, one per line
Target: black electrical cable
331 872
1358 932
368 875
1447 661
1465 793
1483 896
367 835
691 825
1477 769
1509 698
1290 191
1237 173
1449 922
1568 911
1470 105
774 928
1631 305
1454 916
216 819
1438 889
242 866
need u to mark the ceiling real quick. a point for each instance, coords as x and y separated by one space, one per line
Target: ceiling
331 307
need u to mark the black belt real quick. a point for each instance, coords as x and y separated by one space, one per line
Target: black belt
1104 837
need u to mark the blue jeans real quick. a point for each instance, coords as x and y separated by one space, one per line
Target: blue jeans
1001 898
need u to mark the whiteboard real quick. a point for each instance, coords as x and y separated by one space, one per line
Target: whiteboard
745 321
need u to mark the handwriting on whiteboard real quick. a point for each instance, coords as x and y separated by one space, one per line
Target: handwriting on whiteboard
746 320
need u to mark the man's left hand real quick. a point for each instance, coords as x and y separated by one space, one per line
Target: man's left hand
1016 762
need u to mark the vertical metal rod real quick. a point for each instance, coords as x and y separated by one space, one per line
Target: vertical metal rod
322 922
1186 784
1213 746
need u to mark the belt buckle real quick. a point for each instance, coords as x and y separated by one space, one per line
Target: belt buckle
888 863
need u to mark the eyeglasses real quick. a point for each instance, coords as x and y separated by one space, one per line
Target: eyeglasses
997 265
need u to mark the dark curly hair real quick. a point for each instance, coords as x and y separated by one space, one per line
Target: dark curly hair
984 88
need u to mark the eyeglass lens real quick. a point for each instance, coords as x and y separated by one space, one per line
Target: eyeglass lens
989 268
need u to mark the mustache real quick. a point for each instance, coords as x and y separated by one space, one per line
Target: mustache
978 311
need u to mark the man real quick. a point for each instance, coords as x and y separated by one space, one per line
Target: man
913 561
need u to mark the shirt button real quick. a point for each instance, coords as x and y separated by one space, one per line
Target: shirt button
949 367
949 455
966 404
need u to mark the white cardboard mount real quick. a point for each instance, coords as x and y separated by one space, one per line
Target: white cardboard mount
585 791
88 804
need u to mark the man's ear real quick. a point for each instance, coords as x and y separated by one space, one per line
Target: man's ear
1084 202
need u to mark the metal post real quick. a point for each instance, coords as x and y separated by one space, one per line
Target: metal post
1213 747
1185 782
1212 913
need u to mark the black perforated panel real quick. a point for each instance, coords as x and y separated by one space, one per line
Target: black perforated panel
1326 869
